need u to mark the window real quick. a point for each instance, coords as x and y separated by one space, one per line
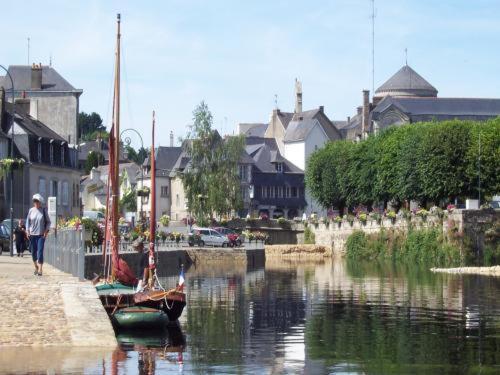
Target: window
41 187
243 172
270 192
65 193
293 192
286 190
263 191
53 188
279 193
63 162
279 167
39 151
164 191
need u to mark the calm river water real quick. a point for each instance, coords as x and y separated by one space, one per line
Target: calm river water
315 318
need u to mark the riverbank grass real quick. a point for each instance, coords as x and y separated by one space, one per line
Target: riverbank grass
423 246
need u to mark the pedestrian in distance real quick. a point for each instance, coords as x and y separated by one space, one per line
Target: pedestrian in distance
20 238
37 226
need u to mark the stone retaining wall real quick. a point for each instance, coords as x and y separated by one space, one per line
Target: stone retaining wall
298 251
471 224
169 262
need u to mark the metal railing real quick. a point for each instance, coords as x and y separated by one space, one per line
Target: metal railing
64 250
127 247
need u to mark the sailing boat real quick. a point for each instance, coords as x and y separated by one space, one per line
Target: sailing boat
152 305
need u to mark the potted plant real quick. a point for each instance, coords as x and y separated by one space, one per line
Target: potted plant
165 220
143 192
391 215
338 220
362 217
375 216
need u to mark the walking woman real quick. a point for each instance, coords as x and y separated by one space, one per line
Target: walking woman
20 238
37 226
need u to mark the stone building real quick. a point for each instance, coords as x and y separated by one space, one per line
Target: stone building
297 135
54 101
50 166
407 97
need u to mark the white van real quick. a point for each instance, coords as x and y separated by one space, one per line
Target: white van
93 215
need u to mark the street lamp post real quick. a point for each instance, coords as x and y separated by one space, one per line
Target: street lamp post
128 141
11 169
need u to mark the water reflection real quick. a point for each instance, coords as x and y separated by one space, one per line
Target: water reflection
320 317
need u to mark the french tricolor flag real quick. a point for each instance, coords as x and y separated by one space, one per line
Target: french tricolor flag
180 286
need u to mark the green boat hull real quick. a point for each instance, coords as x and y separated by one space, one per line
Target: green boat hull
140 317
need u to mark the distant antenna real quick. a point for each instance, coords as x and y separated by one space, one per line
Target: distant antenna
406 56
276 101
373 47
28 51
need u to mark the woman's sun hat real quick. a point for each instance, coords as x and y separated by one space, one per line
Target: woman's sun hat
39 198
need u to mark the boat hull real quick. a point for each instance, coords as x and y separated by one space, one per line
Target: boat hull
139 317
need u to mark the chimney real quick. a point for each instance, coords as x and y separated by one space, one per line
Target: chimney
34 108
348 119
36 77
365 125
23 105
359 109
298 96
171 138
322 108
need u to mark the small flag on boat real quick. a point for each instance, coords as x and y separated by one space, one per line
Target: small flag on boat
180 286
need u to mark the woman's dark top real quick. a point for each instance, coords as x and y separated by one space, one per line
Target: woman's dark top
143 263
20 233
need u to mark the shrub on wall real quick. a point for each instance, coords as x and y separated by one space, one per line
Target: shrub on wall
309 237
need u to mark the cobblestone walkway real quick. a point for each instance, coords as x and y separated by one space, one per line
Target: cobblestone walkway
52 310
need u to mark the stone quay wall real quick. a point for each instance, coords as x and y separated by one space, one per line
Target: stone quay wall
169 262
469 225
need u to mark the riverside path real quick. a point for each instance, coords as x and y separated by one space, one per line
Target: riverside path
50 310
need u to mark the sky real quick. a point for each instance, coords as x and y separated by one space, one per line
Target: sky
238 56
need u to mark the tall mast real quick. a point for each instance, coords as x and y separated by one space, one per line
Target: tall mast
114 172
152 218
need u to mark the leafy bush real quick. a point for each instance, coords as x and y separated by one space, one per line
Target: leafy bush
165 220
309 237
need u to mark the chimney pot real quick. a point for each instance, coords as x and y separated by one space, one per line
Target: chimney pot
348 119
322 108
298 96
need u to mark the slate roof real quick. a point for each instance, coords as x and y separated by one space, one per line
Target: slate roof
252 129
264 152
299 130
51 79
132 170
166 159
440 108
285 118
31 125
331 131
408 81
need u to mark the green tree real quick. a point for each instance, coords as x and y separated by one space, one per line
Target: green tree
214 164
94 159
90 126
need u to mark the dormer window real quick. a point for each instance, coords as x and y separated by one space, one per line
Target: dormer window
279 167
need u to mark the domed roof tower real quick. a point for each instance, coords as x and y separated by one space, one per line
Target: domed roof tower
406 82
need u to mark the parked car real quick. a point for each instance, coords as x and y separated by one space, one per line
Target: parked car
207 236
233 237
6 224
94 215
4 239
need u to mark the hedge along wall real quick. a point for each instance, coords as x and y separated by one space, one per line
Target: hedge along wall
424 162
470 228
